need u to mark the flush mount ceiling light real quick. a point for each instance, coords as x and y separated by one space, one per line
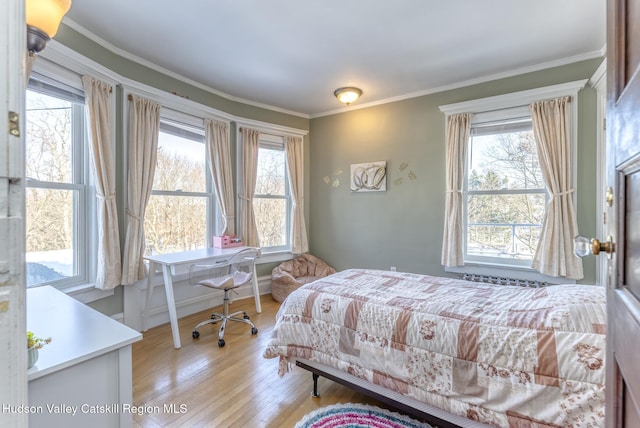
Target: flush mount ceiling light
43 20
347 94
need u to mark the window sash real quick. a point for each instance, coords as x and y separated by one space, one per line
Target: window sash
271 142
507 192
182 193
178 128
497 125
83 210
520 124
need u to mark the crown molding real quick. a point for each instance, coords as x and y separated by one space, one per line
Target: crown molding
134 58
514 99
270 128
483 79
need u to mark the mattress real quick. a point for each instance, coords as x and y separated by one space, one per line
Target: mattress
499 355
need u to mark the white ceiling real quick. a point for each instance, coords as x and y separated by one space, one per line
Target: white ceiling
291 55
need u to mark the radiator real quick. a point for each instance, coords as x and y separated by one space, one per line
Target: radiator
501 280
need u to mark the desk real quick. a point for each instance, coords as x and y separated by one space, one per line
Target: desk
86 365
171 264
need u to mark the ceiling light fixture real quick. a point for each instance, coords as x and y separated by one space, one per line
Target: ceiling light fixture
347 94
43 20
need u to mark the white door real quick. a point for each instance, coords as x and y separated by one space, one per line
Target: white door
13 364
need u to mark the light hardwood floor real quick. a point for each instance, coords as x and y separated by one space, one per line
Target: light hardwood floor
202 385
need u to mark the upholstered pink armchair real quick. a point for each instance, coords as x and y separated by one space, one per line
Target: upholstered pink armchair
290 275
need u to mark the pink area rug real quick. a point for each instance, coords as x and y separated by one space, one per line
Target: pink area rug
356 416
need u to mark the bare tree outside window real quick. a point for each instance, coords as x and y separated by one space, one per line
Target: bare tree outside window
53 187
271 200
176 216
505 198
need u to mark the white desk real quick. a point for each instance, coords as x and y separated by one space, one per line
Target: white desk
171 264
86 365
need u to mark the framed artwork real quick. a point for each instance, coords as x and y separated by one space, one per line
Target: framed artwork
369 177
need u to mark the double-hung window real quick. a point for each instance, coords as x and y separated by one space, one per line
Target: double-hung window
504 195
180 215
60 200
271 199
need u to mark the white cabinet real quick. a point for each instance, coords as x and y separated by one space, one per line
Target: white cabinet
83 377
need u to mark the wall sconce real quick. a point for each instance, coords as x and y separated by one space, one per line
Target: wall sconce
43 20
348 94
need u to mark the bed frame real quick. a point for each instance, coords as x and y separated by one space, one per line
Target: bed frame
437 418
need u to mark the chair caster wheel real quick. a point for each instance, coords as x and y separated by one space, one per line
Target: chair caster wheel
254 331
220 343
246 316
195 334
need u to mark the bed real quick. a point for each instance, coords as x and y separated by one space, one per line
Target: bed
470 353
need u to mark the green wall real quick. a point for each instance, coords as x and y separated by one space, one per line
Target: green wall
134 71
402 227
151 77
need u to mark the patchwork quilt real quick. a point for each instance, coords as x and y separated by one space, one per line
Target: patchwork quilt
503 355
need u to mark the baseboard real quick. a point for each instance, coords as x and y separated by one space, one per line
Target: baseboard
189 299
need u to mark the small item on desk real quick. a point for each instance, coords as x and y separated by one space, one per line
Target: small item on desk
226 241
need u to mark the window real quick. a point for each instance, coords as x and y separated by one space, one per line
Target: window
271 200
59 199
504 198
504 195
181 209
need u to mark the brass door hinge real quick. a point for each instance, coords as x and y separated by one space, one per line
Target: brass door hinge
14 124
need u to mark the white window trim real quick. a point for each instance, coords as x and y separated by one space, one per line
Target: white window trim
71 75
58 53
269 135
477 121
276 142
176 118
490 108
269 129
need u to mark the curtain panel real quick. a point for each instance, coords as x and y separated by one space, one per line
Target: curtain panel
99 125
554 254
250 146
293 150
144 128
457 138
219 158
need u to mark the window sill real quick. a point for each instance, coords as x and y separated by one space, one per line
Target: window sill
276 256
506 271
86 293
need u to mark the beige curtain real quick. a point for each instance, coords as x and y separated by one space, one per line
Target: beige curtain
99 122
458 129
554 255
250 146
219 157
144 126
293 150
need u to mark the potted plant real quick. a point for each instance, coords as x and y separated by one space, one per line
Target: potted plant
33 344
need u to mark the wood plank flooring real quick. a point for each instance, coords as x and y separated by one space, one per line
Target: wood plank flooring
202 385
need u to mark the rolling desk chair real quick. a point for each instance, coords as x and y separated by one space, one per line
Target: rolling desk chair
226 275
